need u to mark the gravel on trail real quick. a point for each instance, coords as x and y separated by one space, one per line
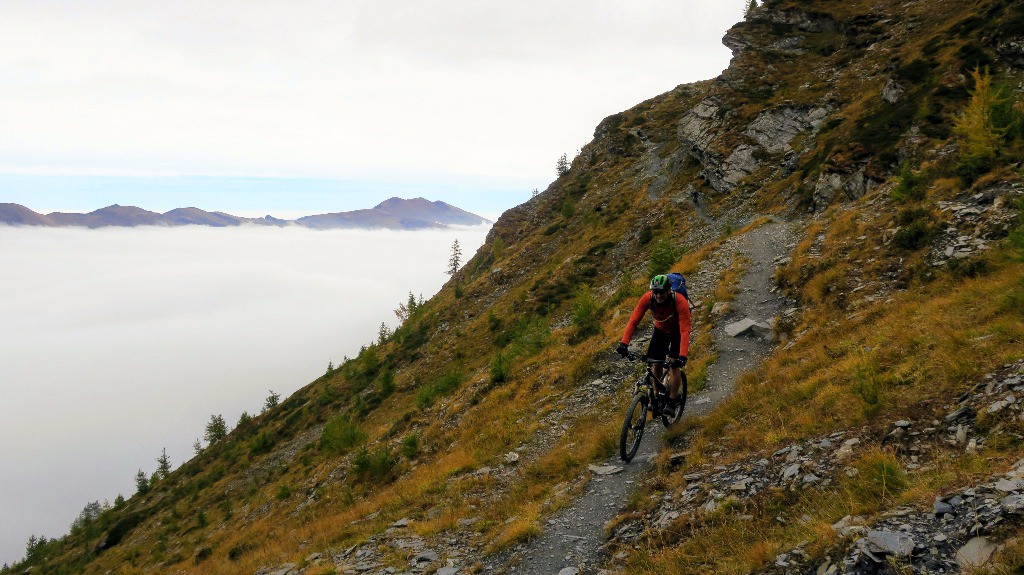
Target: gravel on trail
572 539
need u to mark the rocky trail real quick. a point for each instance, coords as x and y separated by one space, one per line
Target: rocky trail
573 539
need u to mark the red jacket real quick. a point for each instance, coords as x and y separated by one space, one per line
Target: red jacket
671 317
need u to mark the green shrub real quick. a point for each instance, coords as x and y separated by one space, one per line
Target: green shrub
411 445
911 215
969 168
494 322
915 72
568 208
373 465
879 480
664 255
500 366
914 236
911 185
386 384
203 554
968 267
447 383
341 434
867 387
239 549
284 492
586 314
525 337
1016 240
327 395
974 57
1013 300
262 443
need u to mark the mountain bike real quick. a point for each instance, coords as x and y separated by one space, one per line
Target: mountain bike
650 396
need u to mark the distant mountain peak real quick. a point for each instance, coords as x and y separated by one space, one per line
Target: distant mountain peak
393 213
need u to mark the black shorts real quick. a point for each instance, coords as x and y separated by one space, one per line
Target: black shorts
663 344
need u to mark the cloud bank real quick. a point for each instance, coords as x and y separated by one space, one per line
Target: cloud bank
120 342
337 88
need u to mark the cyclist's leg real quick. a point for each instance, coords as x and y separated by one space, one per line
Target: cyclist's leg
675 379
658 349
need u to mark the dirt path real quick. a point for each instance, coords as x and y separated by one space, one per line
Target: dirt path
572 539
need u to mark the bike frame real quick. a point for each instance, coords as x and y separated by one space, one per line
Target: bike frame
650 383
649 393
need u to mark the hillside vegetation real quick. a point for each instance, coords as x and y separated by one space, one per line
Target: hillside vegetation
890 133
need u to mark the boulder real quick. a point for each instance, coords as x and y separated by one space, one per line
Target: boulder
748 328
830 184
1012 503
892 92
889 542
775 129
975 552
604 469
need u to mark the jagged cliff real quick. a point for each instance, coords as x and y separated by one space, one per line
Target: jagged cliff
449 443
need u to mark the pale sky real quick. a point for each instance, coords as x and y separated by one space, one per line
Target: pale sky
483 94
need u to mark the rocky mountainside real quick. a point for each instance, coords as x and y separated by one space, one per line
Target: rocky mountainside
394 213
870 424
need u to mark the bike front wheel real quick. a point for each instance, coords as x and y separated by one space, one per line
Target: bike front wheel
633 427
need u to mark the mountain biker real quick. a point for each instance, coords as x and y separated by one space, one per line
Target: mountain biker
671 336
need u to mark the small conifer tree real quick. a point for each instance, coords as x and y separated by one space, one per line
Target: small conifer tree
141 482
455 262
216 429
30 547
271 401
562 165
405 310
163 465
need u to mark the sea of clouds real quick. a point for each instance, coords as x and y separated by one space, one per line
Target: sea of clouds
120 342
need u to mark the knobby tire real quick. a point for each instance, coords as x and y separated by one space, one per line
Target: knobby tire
633 427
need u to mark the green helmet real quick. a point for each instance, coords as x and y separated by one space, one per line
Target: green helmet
660 283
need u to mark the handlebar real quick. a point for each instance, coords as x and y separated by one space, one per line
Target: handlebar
638 357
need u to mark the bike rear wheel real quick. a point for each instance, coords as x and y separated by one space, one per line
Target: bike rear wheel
633 427
676 415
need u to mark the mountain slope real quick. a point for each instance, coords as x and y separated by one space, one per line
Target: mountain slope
413 214
456 437
20 215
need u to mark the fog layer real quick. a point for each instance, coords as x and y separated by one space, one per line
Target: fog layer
117 343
